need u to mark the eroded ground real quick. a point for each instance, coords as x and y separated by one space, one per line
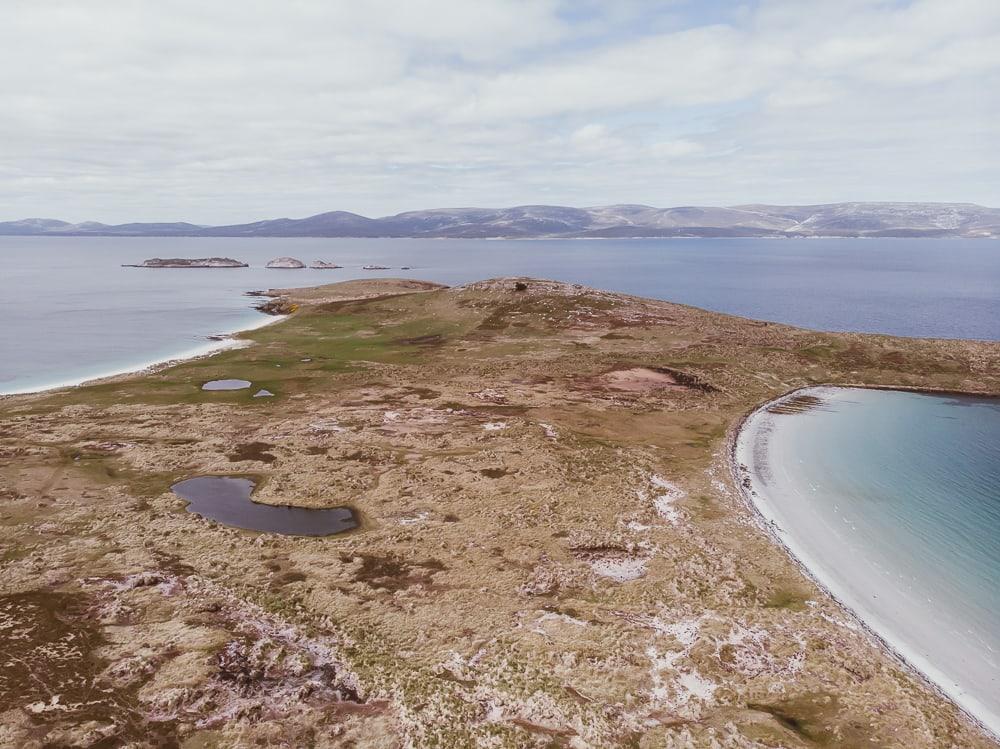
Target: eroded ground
552 550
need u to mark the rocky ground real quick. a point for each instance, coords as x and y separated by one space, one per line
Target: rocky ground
553 551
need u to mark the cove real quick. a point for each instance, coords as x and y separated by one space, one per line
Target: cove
891 500
226 499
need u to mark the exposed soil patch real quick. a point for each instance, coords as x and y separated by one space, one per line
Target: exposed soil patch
689 380
434 339
259 667
638 380
48 651
49 668
815 719
253 451
651 379
390 573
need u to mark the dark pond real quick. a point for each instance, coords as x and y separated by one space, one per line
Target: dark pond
226 499
226 385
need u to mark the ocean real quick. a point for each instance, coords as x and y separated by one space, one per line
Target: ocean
892 499
72 313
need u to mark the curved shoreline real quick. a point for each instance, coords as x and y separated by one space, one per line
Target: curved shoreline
751 491
207 349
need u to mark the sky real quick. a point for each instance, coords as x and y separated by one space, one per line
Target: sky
223 111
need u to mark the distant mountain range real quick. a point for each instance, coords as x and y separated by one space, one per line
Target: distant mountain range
613 221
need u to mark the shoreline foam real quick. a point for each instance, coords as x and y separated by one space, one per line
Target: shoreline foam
742 454
207 349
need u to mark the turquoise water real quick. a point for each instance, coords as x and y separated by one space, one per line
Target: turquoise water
893 500
70 312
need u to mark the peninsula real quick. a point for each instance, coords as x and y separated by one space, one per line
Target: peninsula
537 536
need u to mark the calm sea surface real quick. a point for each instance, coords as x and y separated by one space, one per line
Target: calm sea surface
893 500
70 312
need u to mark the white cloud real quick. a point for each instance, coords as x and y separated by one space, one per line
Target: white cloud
226 111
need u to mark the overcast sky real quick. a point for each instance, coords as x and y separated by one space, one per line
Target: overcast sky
216 112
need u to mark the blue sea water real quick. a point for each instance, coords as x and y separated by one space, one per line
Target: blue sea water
893 500
71 312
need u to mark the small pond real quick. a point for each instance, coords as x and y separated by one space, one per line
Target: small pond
226 385
226 499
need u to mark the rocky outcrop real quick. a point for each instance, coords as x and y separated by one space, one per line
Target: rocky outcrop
184 262
288 263
324 265
277 306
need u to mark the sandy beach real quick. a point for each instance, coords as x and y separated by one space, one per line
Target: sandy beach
929 636
227 341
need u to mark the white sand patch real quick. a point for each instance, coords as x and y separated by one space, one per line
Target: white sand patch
551 617
839 621
663 496
390 416
416 519
693 685
495 426
680 690
685 631
327 425
749 651
46 707
620 569
490 395
636 527
678 687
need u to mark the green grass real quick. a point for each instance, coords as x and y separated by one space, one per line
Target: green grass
791 598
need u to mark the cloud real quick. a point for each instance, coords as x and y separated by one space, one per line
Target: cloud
228 111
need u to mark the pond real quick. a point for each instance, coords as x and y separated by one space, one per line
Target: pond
226 499
226 385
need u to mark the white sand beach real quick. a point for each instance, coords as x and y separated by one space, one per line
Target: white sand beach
208 348
908 614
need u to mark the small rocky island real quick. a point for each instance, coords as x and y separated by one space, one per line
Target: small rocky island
184 262
288 263
324 265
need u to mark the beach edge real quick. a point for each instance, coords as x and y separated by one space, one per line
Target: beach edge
735 449
229 340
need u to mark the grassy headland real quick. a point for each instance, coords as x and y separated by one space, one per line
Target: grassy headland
552 553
